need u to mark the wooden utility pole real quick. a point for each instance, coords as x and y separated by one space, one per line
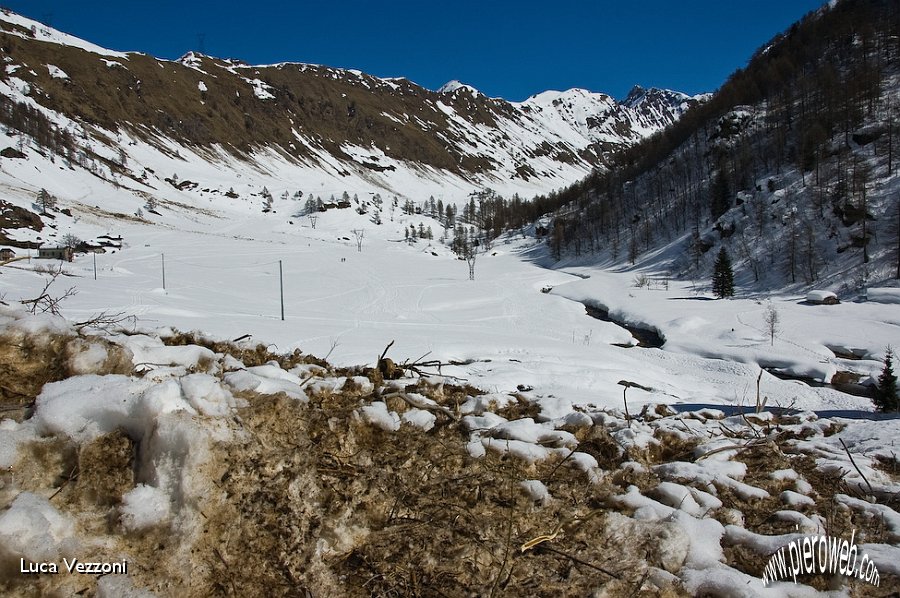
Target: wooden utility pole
164 271
281 287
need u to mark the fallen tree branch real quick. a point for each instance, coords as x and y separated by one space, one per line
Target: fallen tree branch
416 368
105 319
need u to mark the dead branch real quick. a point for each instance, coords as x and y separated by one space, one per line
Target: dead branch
418 366
72 475
334 345
553 472
148 366
383 353
44 302
509 527
308 379
750 425
104 320
419 360
726 431
575 559
626 384
858 470
740 448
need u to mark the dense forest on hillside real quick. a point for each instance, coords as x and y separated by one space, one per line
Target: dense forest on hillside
791 164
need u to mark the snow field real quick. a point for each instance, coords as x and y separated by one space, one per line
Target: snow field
223 278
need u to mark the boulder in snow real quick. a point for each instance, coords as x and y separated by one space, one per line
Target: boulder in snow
822 298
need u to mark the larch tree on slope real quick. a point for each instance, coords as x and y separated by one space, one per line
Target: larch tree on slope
46 201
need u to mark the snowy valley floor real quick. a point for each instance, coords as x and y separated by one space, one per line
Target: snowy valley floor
233 468
222 278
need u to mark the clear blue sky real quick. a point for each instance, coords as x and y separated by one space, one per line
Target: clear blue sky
506 49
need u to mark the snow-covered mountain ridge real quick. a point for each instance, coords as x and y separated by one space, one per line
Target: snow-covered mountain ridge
346 124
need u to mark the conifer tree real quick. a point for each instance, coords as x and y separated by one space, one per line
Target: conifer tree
46 201
723 276
719 194
886 398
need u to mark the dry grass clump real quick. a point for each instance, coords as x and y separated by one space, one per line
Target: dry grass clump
47 464
316 502
251 356
29 361
670 446
598 443
889 465
519 409
105 469
840 521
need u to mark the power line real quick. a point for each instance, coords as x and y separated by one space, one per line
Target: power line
223 267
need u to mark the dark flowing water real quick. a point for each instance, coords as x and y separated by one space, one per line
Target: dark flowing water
646 337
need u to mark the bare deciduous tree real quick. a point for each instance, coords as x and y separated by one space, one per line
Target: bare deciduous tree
71 241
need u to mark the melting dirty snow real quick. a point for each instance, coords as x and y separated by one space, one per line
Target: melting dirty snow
216 468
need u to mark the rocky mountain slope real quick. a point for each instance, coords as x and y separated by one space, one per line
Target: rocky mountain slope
344 123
